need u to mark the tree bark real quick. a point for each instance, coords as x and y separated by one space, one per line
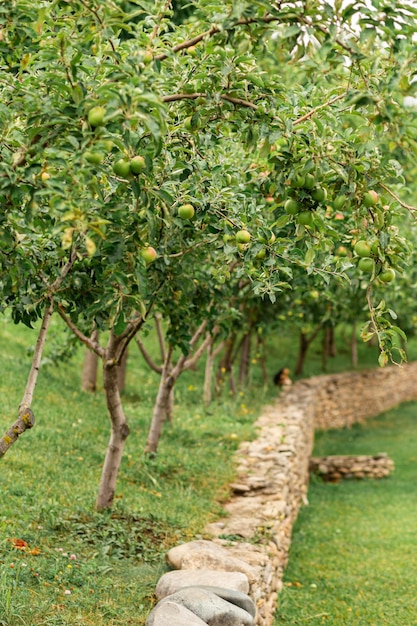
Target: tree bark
26 418
302 353
354 346
121 371
225 365
119 428
262 358
90 368
304 345
245 359
166 385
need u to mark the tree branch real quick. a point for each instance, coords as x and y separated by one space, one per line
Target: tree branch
400 202
193 96
160 334
306 116
148 358
194 339
189 363
26 417
87 341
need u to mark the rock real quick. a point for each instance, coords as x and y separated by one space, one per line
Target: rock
171 582
210 607
235 597
175 556
207 559
172 614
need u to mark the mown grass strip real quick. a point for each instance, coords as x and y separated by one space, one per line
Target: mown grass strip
354 551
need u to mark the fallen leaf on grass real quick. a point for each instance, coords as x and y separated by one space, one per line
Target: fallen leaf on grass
21 544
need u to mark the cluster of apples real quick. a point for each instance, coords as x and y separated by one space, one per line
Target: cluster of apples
367 252
124 167
301 210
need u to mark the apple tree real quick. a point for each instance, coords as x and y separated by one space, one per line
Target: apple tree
149 147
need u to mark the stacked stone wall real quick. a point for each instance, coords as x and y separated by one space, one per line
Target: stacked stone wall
246 552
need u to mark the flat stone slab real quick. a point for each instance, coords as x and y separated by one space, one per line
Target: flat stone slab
170 613
174 581
210 607
235 597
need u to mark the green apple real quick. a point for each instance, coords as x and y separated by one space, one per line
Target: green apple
310 181
243 236
362 248
292 207
95 158
386 276
122 167
319 194
298 181
148 254
96 116
370 198
305 218
339 202
186 211
366 265
137 164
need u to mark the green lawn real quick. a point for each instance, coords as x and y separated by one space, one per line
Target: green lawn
353 558
84 568
63 564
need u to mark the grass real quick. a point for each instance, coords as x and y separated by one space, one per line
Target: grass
354 551
63 564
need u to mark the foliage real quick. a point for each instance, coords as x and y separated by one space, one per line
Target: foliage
225 120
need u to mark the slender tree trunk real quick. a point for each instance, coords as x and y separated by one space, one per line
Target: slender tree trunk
90 368
121 371
354 346
166 385
245 359
208 376
332 342
325 352
26 418
302 353
119 429
225 365
262 359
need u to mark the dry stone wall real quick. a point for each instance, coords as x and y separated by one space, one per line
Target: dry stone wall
238 565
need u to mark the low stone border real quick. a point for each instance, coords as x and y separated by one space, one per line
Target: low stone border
334 468
232 578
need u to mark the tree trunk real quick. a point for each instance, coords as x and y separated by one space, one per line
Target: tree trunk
208 376
225 365
166 386
326 347
302 353
245 359
354 346
90 368
332 343
26 418
262 359
119 429
121 371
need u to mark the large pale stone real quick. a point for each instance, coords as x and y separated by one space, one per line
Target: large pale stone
170 613
171 582
206 559
176 554
211 608
235 597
